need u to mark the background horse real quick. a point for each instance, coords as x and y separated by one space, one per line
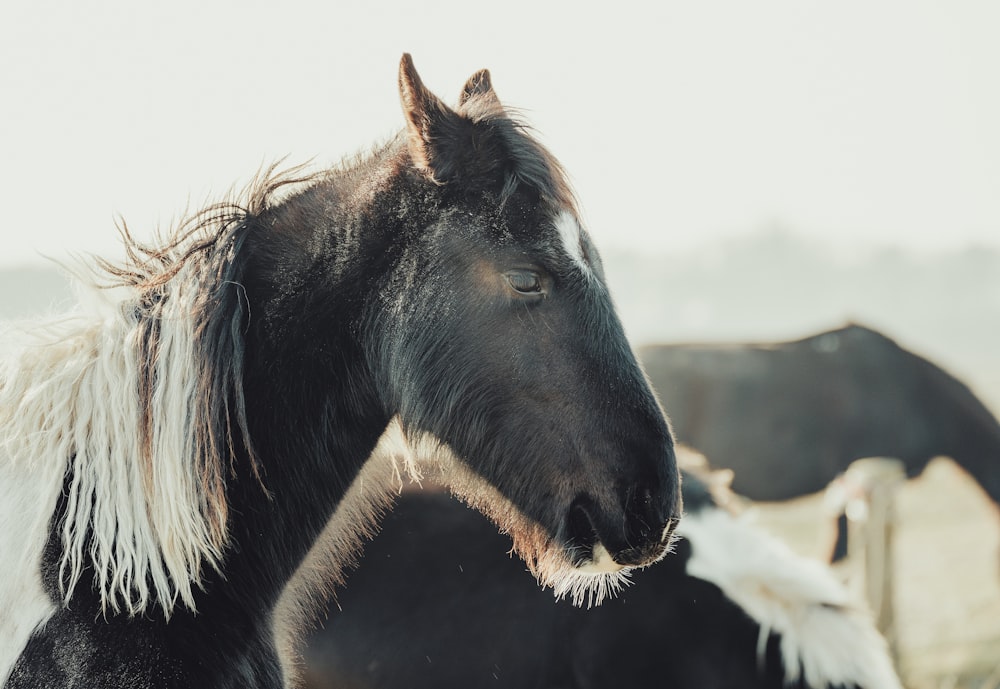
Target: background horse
168 463
438 602
789 417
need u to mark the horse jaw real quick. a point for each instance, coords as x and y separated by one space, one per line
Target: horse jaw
586 584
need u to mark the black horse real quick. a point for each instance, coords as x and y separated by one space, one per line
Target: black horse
789 417
438 603
167 464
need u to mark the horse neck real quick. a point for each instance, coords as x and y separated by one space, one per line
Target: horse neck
305 474
975 444
314 418
964 429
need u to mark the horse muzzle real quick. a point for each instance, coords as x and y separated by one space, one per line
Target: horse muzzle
636 535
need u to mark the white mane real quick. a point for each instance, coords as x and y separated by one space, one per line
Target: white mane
825 639
123 409
70 406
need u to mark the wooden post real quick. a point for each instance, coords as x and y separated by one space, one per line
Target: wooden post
869 488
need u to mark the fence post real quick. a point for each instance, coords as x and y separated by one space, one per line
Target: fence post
867 492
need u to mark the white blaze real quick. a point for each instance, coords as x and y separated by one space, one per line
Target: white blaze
570 236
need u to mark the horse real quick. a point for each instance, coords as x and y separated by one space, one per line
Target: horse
438 602
789 417
169 462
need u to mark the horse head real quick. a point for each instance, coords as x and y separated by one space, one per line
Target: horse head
496 343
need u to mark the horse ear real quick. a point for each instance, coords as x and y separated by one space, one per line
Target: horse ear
479 86
426 116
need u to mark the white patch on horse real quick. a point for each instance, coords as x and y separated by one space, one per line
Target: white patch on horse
825 639
571 237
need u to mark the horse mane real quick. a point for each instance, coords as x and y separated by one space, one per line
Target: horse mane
135 411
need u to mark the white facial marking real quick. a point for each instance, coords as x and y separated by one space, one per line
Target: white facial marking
569 233
601 562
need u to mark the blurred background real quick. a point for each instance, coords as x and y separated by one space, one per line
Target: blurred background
750 171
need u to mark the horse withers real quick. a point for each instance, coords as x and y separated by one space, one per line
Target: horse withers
167 462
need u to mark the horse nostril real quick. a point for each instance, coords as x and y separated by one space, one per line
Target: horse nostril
581 534
641 513
649 522
635 536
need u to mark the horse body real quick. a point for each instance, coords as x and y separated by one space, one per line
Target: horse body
789 417
438 602
174 461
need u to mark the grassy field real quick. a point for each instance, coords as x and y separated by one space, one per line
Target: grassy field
947 584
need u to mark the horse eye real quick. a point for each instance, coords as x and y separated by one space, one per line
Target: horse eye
524 281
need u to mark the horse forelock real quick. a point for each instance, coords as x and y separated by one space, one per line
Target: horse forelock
533 165
141 402
485 143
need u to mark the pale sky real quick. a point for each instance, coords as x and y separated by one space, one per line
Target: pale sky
862 123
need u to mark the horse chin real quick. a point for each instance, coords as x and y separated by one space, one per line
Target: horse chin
590 589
